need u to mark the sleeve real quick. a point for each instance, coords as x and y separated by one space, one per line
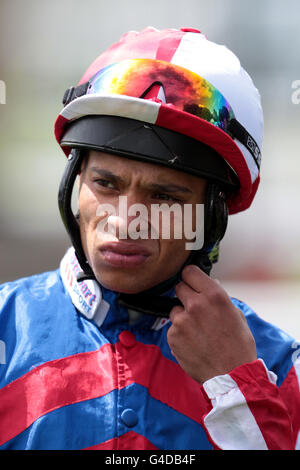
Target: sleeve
248 411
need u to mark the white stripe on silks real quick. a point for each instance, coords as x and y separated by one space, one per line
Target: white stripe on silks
110 105
270 374
230 423
86 295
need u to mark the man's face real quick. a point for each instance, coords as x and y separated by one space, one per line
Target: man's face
119 262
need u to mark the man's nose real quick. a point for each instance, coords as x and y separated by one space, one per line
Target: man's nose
131 219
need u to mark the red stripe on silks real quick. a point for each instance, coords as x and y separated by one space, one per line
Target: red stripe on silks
265 403
52 385
290 393
144 364
128 441
93 374
209 134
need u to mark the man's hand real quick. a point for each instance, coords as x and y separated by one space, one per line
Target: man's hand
209 336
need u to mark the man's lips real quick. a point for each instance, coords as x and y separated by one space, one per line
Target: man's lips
127 255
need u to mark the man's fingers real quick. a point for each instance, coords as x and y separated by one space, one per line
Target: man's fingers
196 278
175 311
184 292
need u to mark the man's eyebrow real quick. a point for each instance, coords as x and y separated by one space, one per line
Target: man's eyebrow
106 174
170 188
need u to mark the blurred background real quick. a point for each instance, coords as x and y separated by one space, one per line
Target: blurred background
45 46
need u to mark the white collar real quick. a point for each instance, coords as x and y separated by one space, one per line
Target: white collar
86 295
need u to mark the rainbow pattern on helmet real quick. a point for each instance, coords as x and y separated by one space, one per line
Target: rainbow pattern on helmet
183 89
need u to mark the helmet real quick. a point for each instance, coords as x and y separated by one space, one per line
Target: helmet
180 81
175 98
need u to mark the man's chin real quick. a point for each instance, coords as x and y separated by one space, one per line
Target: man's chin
129 281
124 287
126 282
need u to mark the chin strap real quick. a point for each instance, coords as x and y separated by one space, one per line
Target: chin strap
158 306
72 170
153 301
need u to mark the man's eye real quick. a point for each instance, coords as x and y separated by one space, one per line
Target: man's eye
105 183
166 197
